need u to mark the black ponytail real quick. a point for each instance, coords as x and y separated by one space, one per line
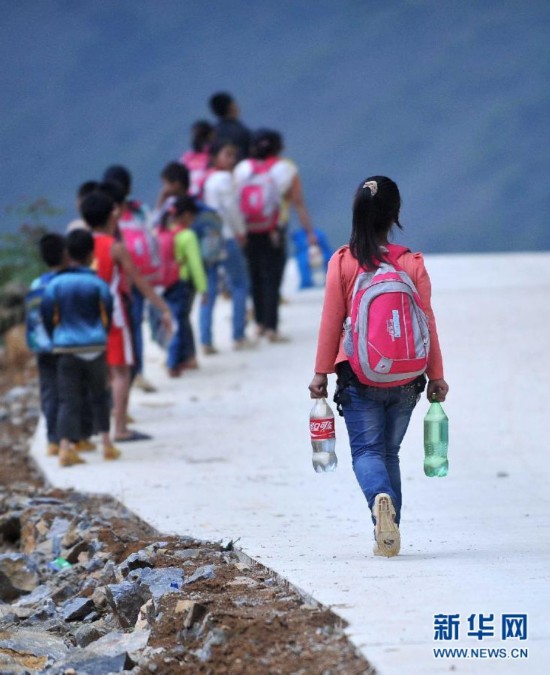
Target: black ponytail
376 209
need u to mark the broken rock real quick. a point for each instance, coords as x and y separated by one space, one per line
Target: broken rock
158 582
192 611
77 609
125 600
18 575
33 643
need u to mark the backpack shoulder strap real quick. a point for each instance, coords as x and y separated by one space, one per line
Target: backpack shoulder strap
262 165
394 253
270 162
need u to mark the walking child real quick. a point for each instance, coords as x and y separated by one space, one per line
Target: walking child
76 309
376 415
53 253
268 185
133 224
179 246
229 126
83 191
114 265
220 194
197 158
174 183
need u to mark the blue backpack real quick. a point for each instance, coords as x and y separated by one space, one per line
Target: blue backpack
38 339
208 228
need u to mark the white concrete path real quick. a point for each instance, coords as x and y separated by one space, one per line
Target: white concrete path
231 459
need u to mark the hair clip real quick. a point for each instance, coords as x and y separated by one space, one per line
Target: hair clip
372 185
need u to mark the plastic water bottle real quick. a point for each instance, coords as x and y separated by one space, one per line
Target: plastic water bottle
436 441
323 437
59 564
316 265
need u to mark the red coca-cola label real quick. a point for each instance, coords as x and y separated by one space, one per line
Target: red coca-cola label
321 428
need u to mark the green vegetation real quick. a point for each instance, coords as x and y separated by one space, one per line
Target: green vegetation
19 257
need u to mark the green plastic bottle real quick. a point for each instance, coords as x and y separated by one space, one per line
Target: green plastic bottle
59 564
436 441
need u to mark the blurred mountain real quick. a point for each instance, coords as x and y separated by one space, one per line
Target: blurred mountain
450 99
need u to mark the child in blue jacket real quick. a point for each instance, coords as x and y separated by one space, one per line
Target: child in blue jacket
76 310
52 252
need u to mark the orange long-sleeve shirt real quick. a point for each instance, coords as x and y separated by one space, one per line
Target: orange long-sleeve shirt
343 269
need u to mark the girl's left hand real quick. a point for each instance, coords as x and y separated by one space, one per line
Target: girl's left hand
318 386
437 389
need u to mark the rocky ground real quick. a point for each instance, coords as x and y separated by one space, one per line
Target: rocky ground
87 587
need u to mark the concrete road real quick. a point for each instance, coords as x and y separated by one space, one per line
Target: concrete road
230 459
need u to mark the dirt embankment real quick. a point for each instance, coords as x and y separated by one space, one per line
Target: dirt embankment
86 587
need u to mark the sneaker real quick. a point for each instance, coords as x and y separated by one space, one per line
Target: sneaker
53 450
243 344
386 532
70 458
209 350
141 383
111 453
84 445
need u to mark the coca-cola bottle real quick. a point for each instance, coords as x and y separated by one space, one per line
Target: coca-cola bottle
323 437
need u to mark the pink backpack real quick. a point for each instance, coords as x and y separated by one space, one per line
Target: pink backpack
169 267
139 241
197 163
386 338
259 197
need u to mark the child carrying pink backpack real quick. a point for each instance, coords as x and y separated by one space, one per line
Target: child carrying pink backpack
386 336
381 295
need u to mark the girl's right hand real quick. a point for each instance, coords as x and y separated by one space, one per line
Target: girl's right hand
318 386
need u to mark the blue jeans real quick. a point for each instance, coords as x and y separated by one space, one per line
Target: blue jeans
136 318
237 278
206 311
179 298
377 419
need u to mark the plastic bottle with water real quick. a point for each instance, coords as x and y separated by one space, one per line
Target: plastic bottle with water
316 265
323 437
436 441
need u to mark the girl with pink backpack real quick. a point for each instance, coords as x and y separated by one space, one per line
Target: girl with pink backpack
197 159
378 333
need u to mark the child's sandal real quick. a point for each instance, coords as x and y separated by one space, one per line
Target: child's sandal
111 453
70 458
